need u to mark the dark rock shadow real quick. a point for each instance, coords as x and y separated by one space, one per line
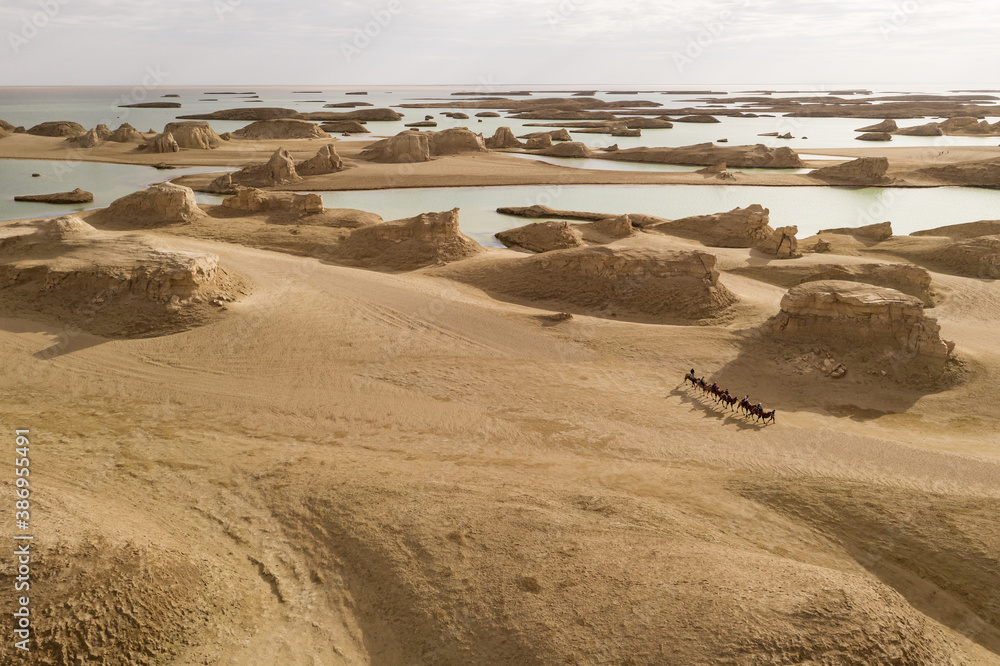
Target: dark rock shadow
796 376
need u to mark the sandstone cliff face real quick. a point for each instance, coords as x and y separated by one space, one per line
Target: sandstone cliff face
158 205
193 134
740 227
503 138
281 128
542 236
425 240
278 170
109 284
886 325
326 160
863 172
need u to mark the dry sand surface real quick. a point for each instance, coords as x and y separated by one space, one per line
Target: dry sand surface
357 467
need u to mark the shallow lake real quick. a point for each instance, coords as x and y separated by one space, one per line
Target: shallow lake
809 208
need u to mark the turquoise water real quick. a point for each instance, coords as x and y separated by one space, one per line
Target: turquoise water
107 182
809 208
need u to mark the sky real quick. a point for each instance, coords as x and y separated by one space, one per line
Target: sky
498 43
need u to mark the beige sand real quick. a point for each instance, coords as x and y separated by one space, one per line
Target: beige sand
354 467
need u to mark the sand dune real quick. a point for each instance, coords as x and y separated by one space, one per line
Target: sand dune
353 464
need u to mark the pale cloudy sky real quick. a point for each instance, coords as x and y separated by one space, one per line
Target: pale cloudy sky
507 42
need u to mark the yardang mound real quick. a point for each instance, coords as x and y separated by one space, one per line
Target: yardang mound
881 328
631 283
425 240
107 284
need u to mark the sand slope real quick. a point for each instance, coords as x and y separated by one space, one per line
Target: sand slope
358 467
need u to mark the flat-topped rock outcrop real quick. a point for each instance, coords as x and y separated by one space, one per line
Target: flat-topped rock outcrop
196 135
65 270
252 200
77 196
280 128
978 173
884 325
877 232
608 281
429 239
158 205
542 236
907 278
964 230
862 172
540 210
740 227
66 128
888 125
708 154
874 136
567 149
410 146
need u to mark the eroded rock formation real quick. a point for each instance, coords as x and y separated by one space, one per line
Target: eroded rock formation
542 236
280 128
278 170
886 325
425 240
862 172
326 160
158 205
109 284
